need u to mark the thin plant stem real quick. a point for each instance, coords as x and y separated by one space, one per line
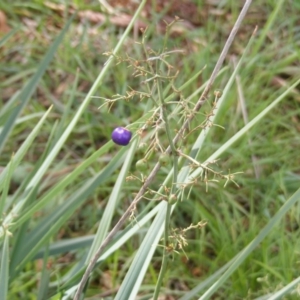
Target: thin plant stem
170 140
165 254
156 168
216 70
172 192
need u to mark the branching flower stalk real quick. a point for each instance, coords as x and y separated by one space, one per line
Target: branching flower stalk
153 173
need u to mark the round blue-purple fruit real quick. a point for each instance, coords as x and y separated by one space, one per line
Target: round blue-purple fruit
121 136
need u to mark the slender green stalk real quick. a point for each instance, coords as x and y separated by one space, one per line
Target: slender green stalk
170 140
172 192
165 254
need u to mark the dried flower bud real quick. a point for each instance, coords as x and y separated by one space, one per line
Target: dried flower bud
173 199
218 93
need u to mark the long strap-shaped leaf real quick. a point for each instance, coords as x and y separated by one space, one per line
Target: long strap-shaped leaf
135 275
111 205
23 150
8 36
282 292
4 273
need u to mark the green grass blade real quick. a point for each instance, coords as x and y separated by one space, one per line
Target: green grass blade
30 87
8 36
66 245
45 278
8 106
210 280
268 26
67 108
44 285
251 247
112 202
133 279
265 297
24 147
4 270
4 188
285 290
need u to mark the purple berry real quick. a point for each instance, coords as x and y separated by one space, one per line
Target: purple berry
121 136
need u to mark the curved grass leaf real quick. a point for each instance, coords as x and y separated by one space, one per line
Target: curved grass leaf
284 291
268 26
67 245
4 188
30 87
135 275
45 278
112 202
8 36
209 281
24 147
4 268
